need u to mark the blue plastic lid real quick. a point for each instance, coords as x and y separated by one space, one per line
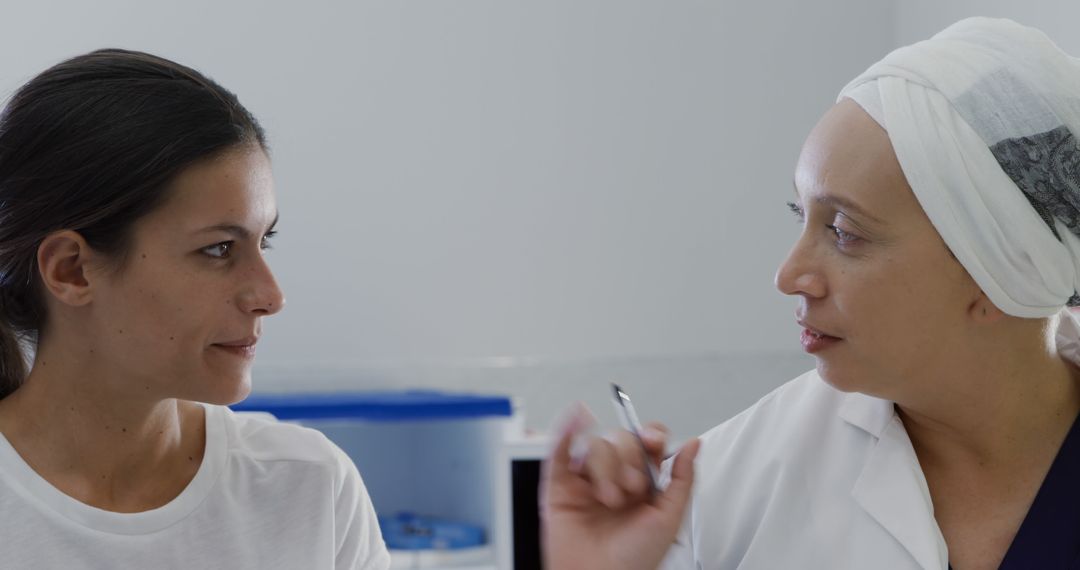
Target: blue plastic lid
385 406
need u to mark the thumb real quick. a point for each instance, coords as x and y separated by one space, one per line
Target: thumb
673 501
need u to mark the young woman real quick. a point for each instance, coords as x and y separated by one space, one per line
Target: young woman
136 202
940 201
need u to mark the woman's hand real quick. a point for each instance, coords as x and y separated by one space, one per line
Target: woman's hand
599 512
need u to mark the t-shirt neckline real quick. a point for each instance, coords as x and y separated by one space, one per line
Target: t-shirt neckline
36 489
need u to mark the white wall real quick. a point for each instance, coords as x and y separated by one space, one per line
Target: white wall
920 19
560 180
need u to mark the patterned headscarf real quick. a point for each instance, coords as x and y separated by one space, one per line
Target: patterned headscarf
983 118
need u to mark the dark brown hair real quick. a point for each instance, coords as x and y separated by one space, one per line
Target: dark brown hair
91 145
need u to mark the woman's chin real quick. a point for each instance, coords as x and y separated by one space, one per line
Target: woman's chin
225 391
842 380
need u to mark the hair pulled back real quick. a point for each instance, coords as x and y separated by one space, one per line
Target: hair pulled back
91 145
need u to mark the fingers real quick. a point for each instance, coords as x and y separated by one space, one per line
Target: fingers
561 462
655 436
635 482
611 470
673 501
603 467
617 468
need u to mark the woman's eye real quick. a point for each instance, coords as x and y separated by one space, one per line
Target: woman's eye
265 243
842 237
218 250
798 211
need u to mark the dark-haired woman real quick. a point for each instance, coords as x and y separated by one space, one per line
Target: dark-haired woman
136 202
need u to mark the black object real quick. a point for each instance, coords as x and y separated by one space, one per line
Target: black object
525 475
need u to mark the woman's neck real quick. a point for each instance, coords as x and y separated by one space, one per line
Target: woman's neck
1002 403
97 437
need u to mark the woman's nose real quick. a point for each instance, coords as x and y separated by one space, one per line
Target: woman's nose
799 274
262 296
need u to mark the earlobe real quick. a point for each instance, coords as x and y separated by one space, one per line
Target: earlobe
62 262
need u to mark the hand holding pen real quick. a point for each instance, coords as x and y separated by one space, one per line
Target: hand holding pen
600 508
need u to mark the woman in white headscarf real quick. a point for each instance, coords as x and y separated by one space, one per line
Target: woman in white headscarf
941 205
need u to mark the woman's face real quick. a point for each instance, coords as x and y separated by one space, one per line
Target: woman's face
182 316
870 271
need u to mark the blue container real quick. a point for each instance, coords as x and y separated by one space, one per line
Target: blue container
379 406
418 451
407 531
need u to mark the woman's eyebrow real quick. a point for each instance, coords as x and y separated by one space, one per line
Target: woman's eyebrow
848 206
237 231
843 203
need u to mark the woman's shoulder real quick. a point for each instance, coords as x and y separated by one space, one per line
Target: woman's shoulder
262 437
800 425
773 467
794 406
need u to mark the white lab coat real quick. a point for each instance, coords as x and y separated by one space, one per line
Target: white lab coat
814 478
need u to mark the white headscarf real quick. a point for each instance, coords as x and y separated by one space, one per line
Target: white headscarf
982 118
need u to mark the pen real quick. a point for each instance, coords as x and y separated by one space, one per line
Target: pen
624 408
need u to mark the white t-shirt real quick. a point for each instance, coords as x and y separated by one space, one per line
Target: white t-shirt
268 495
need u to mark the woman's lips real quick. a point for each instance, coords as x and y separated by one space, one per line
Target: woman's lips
814 340
242 349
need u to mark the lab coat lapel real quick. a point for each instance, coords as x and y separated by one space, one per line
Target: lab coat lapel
891 487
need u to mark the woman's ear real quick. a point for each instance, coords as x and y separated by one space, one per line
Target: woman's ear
983 311
62 260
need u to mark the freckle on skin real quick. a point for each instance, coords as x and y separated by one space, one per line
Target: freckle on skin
189 458
123 430
172 338
144 256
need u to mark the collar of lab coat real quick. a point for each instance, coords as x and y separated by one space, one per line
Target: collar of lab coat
891 487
